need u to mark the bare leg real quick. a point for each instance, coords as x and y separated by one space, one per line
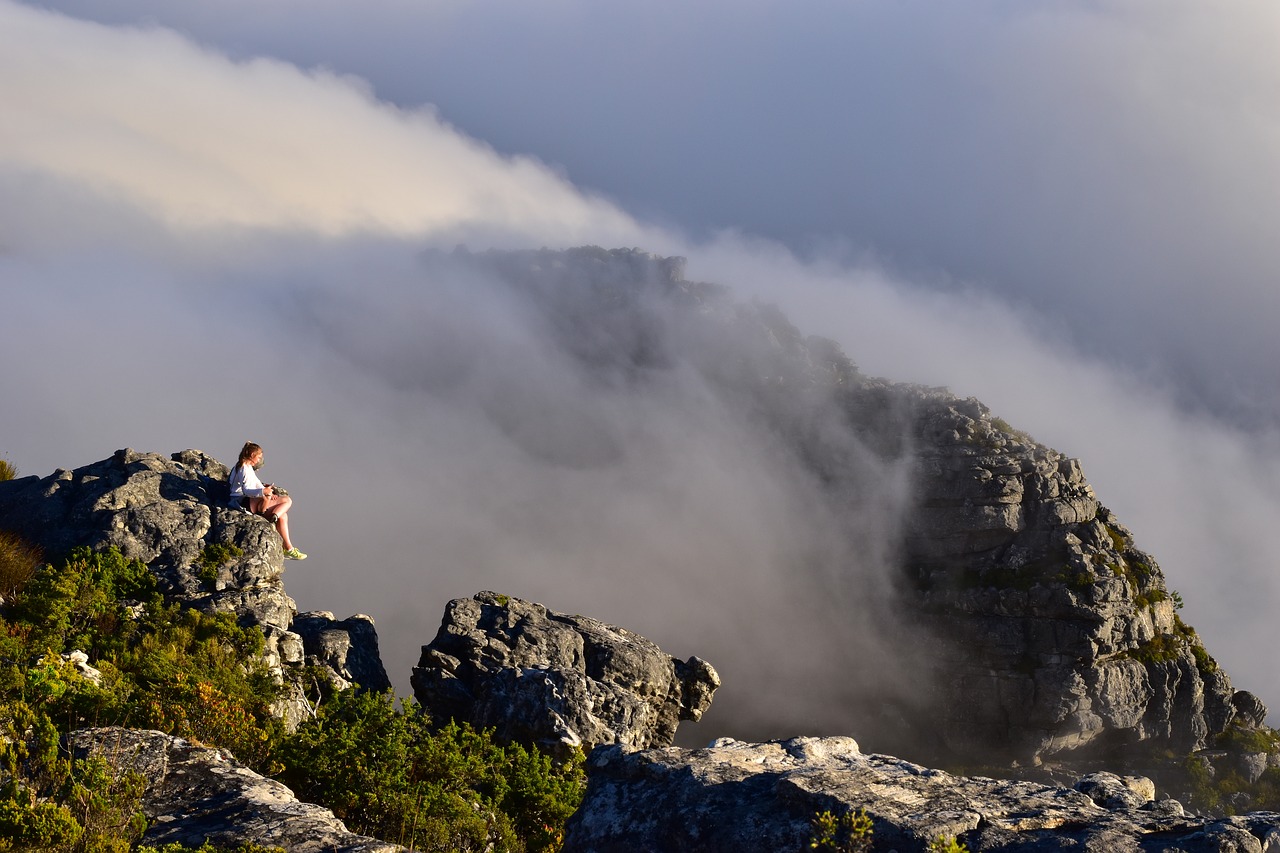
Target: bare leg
278 506
282 526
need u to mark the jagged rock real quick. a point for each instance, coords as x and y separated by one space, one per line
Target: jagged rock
167 512
1053 632
745 797
347 650
1249 708
558 680
196 794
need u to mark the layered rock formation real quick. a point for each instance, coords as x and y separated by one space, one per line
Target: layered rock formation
557 680
171 513
196 794
741 797
1055 633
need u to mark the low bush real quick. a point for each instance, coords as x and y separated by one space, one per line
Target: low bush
388 772
849 832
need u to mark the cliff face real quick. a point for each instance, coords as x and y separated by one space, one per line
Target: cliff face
1054 632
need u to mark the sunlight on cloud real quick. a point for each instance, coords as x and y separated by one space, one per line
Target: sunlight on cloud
201 140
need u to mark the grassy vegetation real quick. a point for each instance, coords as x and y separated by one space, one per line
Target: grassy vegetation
386 770
213 558
853 831
7 471
18 562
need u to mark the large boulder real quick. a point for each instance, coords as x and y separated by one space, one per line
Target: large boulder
196 794
736 797
557 680
345 649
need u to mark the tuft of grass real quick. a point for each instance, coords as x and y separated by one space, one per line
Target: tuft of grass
19 560
7 470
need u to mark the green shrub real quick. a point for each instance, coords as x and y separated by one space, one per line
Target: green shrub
18 562
1162 648
207 847
947 844
389 773
845 833
1238 738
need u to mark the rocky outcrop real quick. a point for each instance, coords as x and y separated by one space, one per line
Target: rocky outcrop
171 513
560 681
196 794
1054 633
742 797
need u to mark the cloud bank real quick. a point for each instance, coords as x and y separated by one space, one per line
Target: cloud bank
205 248
1110 164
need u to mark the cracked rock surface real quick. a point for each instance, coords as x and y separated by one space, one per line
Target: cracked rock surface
762 797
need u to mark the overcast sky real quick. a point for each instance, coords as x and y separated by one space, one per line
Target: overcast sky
1061 208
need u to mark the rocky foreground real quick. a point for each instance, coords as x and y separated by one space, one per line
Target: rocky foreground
763 797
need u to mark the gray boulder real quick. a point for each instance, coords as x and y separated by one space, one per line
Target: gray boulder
747 797
560 681
346 649
196 794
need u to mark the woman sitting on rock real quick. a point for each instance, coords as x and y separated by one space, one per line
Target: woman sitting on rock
248 492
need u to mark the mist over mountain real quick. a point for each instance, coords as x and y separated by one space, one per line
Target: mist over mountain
213 237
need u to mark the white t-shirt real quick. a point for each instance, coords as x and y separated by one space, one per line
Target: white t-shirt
244 482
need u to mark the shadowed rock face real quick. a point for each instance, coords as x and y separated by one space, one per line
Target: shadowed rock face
1053 632
742 797
347 649
166 511
561 681
196 794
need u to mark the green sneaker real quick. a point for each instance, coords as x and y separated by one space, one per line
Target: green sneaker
294 554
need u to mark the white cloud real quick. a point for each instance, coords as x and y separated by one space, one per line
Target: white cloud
198 140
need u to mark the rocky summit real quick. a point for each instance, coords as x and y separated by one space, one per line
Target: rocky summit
557 680
1037 638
